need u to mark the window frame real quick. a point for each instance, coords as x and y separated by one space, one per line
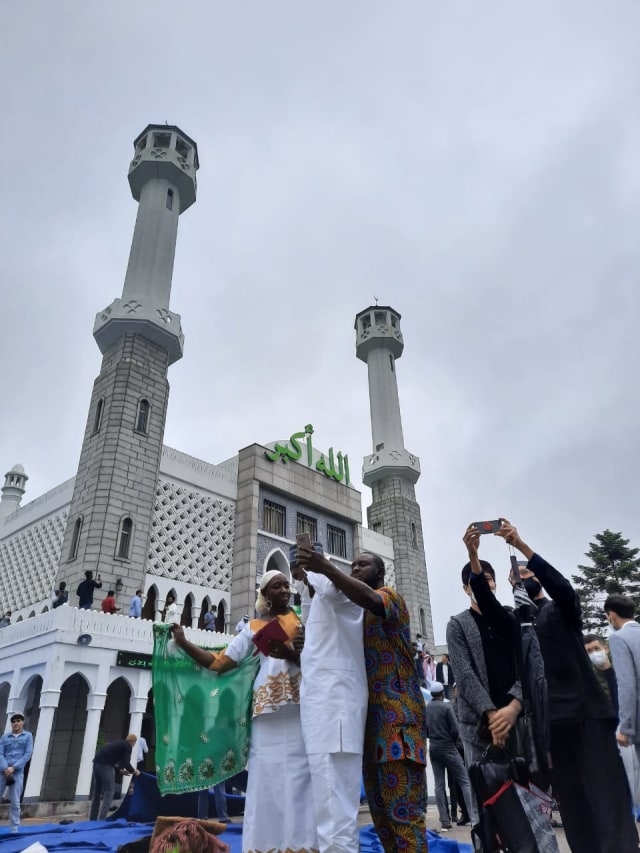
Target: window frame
143 401
307 524
124 536
334 531
274 509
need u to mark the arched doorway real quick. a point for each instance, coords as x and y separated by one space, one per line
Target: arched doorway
150 604
67 737
148 732
276 560
187 611
31 693
114 720
204 608
220 617
4 701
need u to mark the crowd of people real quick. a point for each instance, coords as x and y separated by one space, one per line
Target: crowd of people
343 694
371 717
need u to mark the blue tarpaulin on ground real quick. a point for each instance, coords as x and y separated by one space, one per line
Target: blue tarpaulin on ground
135 818
89 837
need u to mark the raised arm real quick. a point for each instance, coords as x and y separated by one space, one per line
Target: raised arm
357 591
217 663
554 584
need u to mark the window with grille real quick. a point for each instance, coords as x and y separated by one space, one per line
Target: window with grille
274 518
336 541
306 524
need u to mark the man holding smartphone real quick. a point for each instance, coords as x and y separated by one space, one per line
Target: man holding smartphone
395 731
333 706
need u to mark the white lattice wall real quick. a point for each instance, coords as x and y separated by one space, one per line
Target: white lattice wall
29 562
192 537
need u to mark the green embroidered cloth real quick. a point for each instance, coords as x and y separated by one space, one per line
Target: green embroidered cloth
203 720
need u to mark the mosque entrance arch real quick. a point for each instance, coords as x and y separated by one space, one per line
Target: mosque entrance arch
4 701
67 737
276 560
220 617
150 604
187 612
114 720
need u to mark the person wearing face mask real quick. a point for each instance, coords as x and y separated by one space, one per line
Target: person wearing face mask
588 774
595 648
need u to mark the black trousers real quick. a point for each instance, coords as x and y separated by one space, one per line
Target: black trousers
591 787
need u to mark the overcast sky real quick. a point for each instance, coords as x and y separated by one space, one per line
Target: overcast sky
475 165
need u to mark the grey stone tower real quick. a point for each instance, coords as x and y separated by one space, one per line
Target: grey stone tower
139 337
391 471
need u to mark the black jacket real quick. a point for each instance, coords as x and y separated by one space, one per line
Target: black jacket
439 677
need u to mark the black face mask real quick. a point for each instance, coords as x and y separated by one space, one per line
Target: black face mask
533 587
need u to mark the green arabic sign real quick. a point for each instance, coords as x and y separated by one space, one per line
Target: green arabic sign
334 466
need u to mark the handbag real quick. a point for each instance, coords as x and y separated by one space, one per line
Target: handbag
487 776
522 816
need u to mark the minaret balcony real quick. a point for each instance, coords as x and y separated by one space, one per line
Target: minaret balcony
134 316
386 463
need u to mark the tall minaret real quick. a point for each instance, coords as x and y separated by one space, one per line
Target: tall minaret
391 471
139 337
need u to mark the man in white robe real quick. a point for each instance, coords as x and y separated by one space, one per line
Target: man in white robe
333 710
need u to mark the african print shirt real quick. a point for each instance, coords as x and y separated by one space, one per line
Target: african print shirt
396 725
278 681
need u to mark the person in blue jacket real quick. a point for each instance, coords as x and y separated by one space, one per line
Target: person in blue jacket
15 750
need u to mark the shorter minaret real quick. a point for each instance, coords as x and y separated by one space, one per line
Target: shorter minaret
391 471
15 482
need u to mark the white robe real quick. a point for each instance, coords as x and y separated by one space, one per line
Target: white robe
333 709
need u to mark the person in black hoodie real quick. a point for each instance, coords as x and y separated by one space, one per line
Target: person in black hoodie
588 774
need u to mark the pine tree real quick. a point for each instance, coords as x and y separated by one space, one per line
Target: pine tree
615 569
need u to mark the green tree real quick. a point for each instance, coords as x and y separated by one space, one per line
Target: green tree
615 569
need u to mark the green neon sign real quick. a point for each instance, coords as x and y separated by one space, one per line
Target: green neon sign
333 465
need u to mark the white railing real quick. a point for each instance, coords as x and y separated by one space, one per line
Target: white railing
98 624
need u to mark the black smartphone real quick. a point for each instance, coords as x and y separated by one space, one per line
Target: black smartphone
488 526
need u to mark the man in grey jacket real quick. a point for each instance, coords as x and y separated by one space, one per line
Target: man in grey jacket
624 644
489 692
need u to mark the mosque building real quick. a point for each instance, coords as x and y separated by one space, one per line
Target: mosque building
145 516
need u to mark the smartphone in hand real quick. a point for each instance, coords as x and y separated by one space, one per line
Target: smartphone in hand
488 526
303 540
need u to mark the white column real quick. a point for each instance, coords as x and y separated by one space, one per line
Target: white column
48 703
195 615
137 707
95 707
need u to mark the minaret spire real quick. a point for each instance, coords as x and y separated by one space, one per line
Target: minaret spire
391 470
139 336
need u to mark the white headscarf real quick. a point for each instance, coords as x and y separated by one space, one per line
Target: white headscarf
262 604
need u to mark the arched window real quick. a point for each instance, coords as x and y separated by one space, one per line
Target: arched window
97 421
423 622
414 535
124 539
142 417
75 539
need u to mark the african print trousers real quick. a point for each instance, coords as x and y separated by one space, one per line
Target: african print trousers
396 793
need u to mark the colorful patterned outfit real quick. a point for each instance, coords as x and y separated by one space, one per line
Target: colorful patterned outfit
395 751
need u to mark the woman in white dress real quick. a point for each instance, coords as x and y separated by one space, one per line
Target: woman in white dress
279 815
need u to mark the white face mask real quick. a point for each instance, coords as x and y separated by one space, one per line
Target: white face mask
597 658
473 598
